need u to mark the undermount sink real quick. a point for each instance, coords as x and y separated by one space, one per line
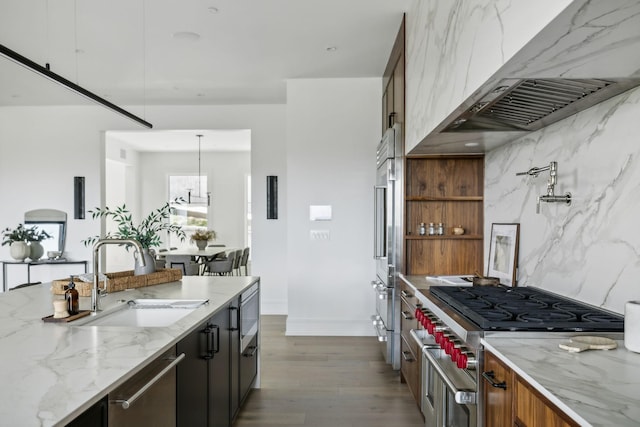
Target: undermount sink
145 313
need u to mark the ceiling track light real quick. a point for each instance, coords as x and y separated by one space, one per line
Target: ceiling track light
56 78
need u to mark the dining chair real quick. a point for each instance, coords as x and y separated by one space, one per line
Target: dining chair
184 262
222 267
236 262
244 261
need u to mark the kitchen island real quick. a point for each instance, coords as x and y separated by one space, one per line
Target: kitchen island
52 372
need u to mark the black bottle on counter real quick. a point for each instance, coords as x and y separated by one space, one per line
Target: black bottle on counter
71 296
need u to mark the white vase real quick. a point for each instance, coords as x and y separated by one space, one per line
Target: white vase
150 263
35 251
19 250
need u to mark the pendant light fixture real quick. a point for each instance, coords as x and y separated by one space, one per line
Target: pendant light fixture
199 198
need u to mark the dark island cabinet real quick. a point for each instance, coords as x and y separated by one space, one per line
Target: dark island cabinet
204 376
95 416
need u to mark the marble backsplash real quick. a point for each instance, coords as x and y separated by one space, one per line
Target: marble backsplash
589 250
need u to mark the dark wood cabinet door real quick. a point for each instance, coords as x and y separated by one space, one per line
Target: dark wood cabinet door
95 416
191 383
219 373
234 350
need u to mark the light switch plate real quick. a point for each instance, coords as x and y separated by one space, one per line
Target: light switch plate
320 212
319 235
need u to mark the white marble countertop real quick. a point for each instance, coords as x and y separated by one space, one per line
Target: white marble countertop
596 387
51 372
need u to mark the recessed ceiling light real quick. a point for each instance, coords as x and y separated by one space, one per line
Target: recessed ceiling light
186 35
213 10
471 144
331 48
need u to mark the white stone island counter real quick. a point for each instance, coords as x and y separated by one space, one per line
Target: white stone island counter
595 387
51 372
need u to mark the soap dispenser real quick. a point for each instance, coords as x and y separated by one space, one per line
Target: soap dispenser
71 297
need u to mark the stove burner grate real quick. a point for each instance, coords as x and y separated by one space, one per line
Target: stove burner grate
527 308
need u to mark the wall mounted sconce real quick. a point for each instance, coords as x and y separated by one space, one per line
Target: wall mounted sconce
56 78
272 197
550 197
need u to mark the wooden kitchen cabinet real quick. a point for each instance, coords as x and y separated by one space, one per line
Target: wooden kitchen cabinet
531 409
513 402
498 399
393 84
411 354
448 190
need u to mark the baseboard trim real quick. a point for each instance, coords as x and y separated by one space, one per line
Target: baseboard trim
329 327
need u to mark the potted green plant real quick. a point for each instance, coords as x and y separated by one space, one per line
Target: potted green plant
147 232
202 236
24 242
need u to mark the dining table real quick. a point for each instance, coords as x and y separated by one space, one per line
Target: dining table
201 256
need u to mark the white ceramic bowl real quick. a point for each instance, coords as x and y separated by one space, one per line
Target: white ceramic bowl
53 254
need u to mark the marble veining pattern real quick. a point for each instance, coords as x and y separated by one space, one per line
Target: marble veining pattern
52 371
591 249
596 388
453 47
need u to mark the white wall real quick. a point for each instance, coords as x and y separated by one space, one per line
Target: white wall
332 131
41 150
226 172
268 157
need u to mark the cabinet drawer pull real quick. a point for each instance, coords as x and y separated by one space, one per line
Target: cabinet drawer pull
253 349
126 403
408 357
406 294
407 315
491 379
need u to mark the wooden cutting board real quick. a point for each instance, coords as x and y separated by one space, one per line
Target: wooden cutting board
80 314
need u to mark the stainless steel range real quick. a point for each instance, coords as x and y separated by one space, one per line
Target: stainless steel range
455 318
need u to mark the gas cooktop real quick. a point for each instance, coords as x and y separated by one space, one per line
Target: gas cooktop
504 308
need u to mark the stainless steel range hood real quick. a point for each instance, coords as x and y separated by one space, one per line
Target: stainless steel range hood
531 104
584 56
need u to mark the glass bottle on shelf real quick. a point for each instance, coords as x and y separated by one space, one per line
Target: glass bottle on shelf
440 229
432 229
422 230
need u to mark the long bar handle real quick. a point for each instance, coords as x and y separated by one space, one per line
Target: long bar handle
465 397
126 403
490 376
254 350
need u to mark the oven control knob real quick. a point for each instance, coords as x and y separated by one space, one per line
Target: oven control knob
466 361
461 361
419 315
451 343
455 354
444 343
439 336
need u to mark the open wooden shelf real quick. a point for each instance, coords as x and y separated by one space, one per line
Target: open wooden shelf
444 199
445 236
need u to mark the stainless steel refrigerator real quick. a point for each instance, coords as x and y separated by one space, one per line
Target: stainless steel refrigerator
388 243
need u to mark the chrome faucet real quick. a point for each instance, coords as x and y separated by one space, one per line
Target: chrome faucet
95 305
550 197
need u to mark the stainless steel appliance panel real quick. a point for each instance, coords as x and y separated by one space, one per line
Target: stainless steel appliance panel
149 397
388 243
249 316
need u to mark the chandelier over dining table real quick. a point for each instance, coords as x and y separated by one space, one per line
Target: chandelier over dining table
199 197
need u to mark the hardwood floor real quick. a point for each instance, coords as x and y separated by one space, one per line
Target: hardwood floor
326 382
